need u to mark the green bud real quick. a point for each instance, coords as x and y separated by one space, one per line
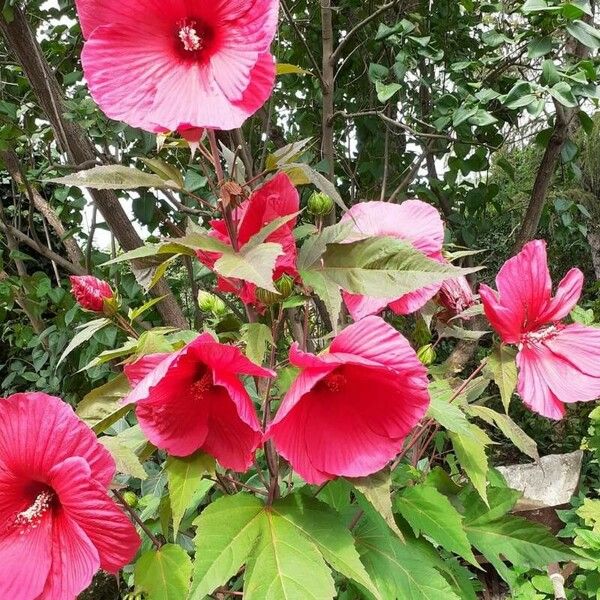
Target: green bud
426 354
320 204
285 286
130 498
209 303
110 306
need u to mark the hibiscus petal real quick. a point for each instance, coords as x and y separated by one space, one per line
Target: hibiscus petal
148 15
374 339
227 359
136 371
504 320
413 221
524 284
414 301
75 560
86 503
123 74
567 295
38 431
360 307
233 427
25 560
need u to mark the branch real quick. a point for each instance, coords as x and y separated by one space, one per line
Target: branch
336 54
295 27
42 250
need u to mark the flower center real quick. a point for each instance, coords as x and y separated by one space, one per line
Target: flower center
202 386
30 518
190 38
540 335
335 382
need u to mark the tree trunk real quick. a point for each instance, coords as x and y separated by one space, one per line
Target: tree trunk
73 140
593 238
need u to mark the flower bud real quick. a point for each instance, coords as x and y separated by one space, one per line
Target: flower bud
130 498
209 303
455 296
426 354
285 286
320 204
93 294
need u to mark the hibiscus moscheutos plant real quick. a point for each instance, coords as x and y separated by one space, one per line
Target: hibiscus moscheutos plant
300 439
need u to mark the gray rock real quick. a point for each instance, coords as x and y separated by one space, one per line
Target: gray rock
550 482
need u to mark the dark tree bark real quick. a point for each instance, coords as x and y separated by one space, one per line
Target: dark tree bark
72 139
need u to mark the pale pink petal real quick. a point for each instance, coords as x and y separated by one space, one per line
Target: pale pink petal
231 439
564 368
75 560
414 301
136 371
413 221
262 81
87 503
38 431
360 307
25 559
253 26
567 295
123 73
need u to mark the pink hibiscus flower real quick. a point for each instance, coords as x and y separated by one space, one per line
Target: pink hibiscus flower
412 221
167 65
349 410
194 400
58 525
276 198
557 363
455 296
90 292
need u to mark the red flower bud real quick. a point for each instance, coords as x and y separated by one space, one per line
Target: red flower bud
456 296
91 292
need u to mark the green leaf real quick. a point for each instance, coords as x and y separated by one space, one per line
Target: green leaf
382 268
502 368
260 237
377 489
508 427
186 483
165 171
328 291
318 180
255 265
287 69
471 455
584 33
324 528
501 500
103 406
125 458
86 332
315 246
257 337
114 177
523 543
399 570
448 415
562 92
159 251
539 47
385 91
227 531
537 5
286 565
136 313
429 512
164 574
290 153
550 74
